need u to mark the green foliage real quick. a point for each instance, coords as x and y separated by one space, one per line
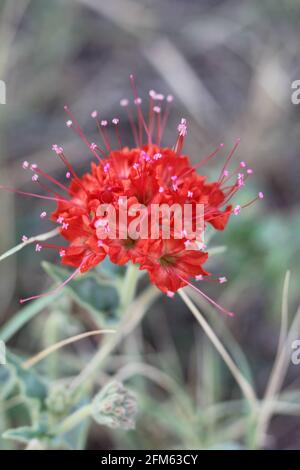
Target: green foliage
25 434
30 383
98 296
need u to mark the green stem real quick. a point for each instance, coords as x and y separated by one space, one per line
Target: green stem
242 382
129 286
132 317
42 237
74 419
51 337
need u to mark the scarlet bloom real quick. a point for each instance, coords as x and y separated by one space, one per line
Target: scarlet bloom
146 174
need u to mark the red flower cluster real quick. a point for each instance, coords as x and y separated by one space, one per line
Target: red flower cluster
146 174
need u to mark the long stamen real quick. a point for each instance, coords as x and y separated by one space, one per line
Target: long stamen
228 176
66 162
103 124
58 288
52 246
23 193
115 122
151 116
211 301
101 129
35 179
209 157
229 158
141 121
238 208
157 111
46 188
50 178
204 160
259 196
125 104
182 131
219 280
166 113
80 132
230 194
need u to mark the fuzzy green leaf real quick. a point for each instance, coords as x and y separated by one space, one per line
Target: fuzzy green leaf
100 300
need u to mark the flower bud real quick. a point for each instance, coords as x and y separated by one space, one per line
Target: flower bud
115 407
58 400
